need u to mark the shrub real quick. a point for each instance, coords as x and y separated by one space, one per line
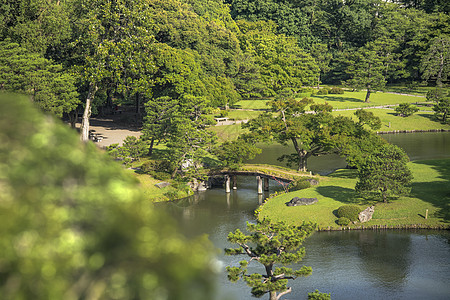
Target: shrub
323 91
348 211
160 170
343 221
223 113
299 185
336 90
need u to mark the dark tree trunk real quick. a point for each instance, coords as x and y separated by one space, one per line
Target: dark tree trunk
367 96
138 104
150 149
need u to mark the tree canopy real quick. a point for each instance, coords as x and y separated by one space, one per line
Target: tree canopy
75 225
270 244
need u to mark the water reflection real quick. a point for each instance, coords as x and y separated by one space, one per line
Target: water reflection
420 145
384 257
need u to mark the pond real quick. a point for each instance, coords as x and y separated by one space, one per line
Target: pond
349 265
419 145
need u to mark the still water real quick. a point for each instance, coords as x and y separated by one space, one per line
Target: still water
420 145
349 265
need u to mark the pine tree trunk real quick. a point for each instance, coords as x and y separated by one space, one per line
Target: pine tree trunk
272 295
367 96
150 149
138 104
84 129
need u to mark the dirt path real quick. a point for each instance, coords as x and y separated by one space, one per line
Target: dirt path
113 129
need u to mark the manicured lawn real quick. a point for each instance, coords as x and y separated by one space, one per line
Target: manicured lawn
356 99
251 104
430 190
243 114
227 132
418 121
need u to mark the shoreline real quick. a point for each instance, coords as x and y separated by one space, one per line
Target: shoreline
386 227
412 131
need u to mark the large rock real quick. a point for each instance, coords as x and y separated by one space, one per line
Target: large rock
198 186
366 215
162 184
296 201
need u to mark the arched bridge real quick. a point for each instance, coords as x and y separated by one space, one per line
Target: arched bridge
262 173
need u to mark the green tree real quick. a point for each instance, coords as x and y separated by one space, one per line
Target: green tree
160 113
442 108
283 64
76 226
37 25
232 153
384 173
188 138
366 68
108 37
311 134
269 244
323 57
406 109
436 62
48 85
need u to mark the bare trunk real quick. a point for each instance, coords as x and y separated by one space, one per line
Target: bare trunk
367 95
302 156
84 129
273 295
318 82
441 68
138 104
150 149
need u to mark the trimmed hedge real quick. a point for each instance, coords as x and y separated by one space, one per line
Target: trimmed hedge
350 212
343 221
336 90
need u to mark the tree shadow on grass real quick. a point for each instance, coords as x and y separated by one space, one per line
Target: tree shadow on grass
339 99
430 116
436 193
344 195
344 173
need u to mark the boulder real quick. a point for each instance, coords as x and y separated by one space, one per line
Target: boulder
313 181
198 186
296 201
366 215
162 184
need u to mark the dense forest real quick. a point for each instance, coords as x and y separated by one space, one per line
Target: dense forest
177 60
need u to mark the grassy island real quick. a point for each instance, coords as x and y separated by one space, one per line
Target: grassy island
429 191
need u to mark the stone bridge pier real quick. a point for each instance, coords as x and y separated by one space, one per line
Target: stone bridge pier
262 183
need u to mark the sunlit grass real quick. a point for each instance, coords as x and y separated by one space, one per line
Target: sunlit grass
429 191
390 122
243 114
227 132
356 99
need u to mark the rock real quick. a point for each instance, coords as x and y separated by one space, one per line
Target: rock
198 186
313 181
296 201
162 184
366 215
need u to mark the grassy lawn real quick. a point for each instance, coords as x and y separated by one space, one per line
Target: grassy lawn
156 194
430 190
243 114
227 132
356 99
251 104
418 121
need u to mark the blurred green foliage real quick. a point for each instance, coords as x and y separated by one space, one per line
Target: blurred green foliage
75 226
